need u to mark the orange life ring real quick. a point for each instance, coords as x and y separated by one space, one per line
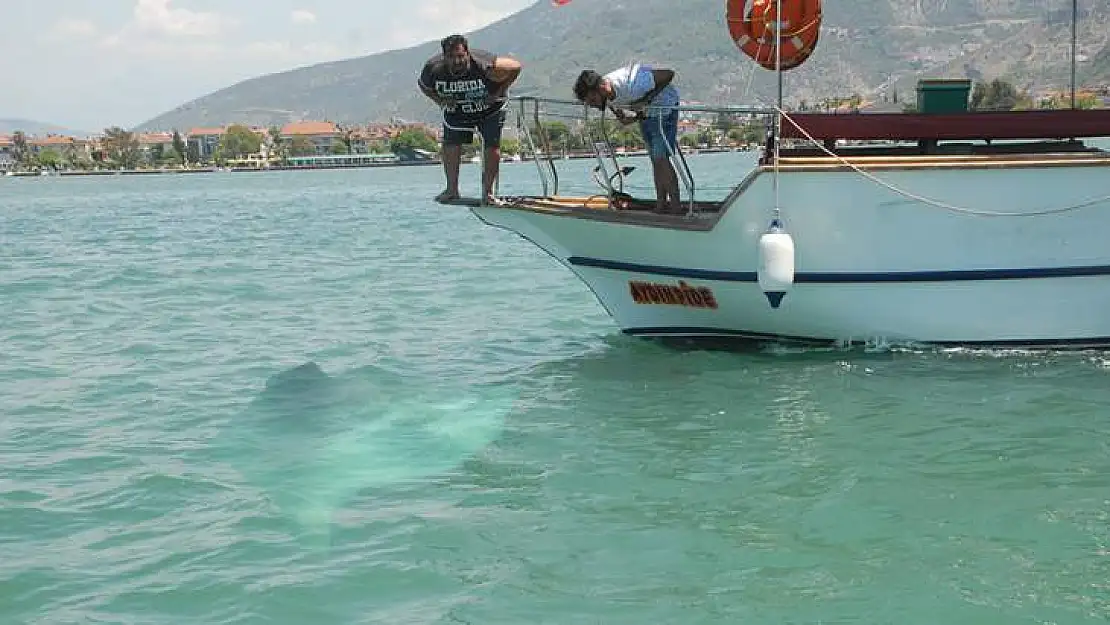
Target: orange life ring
754 32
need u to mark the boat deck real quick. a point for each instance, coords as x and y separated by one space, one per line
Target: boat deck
868 142
637 211
705 214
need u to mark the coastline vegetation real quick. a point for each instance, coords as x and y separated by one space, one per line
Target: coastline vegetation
241 147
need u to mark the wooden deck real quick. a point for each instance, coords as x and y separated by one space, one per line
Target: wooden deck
596 207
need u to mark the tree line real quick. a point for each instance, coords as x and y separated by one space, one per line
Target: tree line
121 149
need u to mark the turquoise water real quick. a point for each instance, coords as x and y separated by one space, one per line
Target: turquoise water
478 444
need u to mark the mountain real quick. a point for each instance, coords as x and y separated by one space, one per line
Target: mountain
867 47
33 128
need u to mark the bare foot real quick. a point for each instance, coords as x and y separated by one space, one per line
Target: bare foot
447 196
490 200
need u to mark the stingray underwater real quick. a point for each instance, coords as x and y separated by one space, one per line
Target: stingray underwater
312 442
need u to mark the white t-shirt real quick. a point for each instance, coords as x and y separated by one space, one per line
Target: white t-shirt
632 82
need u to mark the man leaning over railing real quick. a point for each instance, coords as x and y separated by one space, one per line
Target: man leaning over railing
471 86
638 87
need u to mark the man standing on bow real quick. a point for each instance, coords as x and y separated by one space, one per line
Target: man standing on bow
471 86
644 94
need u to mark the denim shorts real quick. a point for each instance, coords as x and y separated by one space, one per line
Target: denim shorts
660 143
460 130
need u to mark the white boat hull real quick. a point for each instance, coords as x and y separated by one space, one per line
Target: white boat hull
871 264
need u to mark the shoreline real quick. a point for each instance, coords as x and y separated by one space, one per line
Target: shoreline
234 170
207 170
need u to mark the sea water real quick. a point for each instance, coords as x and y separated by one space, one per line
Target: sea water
318 397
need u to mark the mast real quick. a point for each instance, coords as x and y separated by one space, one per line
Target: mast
1074 19
778 114
778 49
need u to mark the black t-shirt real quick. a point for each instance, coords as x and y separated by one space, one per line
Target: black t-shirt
467 91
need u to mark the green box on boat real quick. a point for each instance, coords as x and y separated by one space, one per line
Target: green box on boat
941 95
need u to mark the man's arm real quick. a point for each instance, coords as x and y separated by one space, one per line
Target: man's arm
504 73
662 78
424 82
429 92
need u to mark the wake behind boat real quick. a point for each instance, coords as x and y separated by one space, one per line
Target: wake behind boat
966 228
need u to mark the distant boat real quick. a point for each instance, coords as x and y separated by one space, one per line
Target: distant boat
937 227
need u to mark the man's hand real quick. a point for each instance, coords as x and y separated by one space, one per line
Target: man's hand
627 117
435 97
446 102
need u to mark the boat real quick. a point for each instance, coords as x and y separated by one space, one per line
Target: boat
937 227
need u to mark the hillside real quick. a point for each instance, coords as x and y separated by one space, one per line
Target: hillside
34 128
865 46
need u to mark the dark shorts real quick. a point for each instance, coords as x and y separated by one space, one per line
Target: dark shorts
660 141
460 130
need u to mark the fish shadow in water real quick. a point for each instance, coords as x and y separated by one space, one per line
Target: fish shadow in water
311 442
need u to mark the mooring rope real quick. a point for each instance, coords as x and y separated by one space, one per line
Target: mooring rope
937 203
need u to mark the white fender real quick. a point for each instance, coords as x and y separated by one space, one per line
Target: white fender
776 263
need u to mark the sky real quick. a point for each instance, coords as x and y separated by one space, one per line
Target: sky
89 64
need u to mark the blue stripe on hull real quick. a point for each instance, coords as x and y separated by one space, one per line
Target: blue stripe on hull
819 277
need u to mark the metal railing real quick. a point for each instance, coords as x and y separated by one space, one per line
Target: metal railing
608 174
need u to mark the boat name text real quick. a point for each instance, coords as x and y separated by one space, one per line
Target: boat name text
681 295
